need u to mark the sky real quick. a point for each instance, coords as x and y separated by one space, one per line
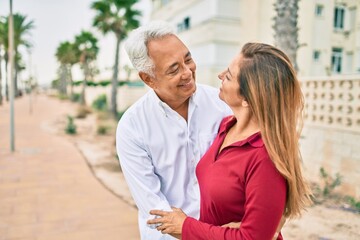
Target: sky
57 21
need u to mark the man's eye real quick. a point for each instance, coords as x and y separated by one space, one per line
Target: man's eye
188 60
174 72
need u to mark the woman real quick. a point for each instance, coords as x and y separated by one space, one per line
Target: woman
251 173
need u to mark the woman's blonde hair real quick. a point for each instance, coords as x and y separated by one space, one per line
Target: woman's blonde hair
269 84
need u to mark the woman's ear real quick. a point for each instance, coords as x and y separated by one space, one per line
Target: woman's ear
244 103
147 79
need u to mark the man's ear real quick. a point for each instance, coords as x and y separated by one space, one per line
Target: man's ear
147 79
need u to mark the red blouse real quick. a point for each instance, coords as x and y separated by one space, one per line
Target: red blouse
239 184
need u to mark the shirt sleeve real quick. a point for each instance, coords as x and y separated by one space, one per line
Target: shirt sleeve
139 173
265 203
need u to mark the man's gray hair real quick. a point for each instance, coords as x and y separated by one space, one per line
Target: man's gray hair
136 44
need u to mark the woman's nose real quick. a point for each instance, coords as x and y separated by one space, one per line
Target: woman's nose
221 76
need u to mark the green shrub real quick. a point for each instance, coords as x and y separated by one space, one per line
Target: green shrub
55 83
354 203
91 84
70 127
329 183
100 103
75 97
104 83
77 83
122 83
62 96
102 129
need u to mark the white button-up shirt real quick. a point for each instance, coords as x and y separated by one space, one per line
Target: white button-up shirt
159 150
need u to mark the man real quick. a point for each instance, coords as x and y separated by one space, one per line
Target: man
161 138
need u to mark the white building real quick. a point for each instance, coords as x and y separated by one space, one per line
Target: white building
328 60
330 31
215 30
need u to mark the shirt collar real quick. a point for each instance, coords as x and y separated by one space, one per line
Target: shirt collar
166 109
254 140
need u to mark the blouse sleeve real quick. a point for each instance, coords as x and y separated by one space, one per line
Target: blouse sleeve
265 193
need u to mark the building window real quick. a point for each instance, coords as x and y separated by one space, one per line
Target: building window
316 56
184 25
349 61
164 2
339 17
319 10
187 23
336 59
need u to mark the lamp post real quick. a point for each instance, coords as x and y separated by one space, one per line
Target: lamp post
11 78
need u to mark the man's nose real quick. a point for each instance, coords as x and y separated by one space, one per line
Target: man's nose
187 72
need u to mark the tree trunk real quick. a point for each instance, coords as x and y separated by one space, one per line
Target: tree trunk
63 79
114 82
286 30
71 82
6 81
86 73
16 90
1 96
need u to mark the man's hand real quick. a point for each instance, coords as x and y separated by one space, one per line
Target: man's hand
171 222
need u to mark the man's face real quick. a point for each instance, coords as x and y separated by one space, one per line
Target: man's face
174 71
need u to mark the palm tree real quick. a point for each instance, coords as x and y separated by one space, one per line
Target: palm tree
5 42
66 55
19 65
62 70
22 28
86 52
286 30
117 17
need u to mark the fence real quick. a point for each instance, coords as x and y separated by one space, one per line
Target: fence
331 135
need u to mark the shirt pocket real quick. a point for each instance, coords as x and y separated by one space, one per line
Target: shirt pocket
205 141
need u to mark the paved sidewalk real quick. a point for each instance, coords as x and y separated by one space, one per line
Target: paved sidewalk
47 190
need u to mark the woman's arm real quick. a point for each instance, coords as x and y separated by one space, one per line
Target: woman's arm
264 206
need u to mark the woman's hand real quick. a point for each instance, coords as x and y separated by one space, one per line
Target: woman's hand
232 225
171 222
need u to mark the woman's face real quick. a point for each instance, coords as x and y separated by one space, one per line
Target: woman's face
230 88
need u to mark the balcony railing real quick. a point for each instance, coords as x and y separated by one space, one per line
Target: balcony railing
332 102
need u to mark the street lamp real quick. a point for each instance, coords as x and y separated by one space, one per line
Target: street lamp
11 78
